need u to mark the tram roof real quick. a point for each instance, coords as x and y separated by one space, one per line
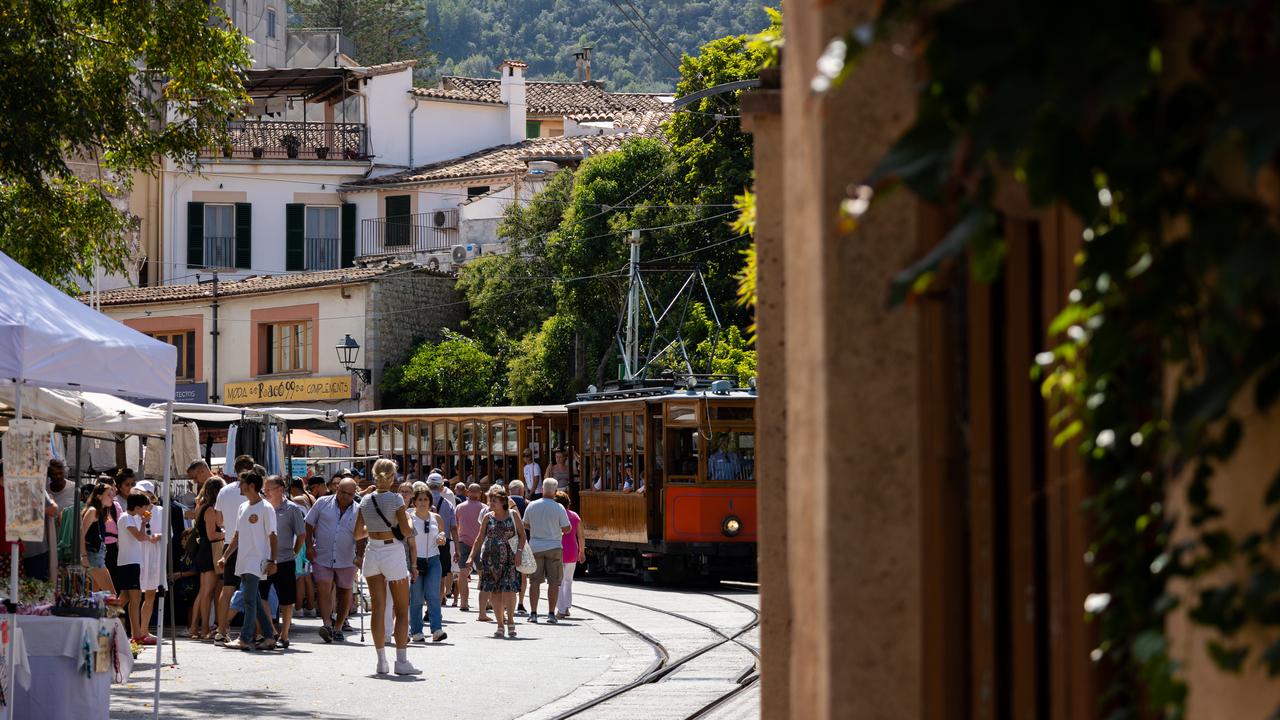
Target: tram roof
654 394
496 412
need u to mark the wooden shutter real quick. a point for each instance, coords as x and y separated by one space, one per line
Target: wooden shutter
195 234
295 244
398 220
244 236
348 234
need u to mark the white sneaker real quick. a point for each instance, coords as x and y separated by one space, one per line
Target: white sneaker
382 667
406 668
418 637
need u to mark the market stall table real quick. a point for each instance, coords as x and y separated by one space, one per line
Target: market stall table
61 686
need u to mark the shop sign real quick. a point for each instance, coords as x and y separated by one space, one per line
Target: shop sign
302 389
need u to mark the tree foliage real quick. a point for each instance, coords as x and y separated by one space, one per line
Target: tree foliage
382 30
473 36
549 309
454 372
88 87
1157 127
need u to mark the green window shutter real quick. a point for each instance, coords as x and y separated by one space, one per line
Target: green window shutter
195 234
295 244
348 234
398 220
532 128
244 236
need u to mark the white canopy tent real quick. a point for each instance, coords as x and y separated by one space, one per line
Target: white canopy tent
50 340
95 414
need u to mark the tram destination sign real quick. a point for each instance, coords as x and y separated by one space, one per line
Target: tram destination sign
299 389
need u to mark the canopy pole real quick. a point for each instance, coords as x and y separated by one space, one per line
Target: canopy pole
164 548
13 580
75 519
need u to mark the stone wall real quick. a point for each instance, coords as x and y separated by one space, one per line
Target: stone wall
404 309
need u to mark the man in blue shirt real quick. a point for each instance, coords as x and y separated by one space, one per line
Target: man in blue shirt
330 541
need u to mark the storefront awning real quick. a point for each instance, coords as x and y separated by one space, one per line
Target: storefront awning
301 437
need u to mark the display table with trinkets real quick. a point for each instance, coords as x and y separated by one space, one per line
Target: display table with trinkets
73 662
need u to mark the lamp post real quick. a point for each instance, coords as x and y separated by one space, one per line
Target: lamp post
348 350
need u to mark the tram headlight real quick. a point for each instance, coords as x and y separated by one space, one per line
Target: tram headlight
731 526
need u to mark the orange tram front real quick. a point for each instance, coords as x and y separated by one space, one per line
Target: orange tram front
666 481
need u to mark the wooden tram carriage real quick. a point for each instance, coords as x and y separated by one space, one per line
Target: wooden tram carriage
693 454
465 443
664 479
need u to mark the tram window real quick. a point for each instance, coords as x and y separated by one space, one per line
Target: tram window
684 452
468 439
617 433
732 412
682 413
438 437
732 457
513 441
640 434
595 432
361 444
606 433
628 433
586 435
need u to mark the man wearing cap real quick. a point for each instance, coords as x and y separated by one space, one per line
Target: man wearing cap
444 507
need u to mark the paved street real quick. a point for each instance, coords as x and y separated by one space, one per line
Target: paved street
547 671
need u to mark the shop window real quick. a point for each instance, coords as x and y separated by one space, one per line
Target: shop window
185 342
287 347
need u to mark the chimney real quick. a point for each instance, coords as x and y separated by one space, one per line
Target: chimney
586 63
512 93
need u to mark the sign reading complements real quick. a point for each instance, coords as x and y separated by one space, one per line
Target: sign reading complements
255 392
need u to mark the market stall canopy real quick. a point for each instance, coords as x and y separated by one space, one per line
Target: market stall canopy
224 415
96 414
301 436
50 339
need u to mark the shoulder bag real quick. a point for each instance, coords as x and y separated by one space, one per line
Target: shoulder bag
395 527
524 562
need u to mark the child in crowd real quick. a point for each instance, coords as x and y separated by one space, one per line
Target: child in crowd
132 541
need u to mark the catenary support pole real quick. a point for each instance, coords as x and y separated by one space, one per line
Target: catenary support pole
75 516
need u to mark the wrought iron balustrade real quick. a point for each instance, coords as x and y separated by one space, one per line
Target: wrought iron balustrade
405 235
281 140
323 253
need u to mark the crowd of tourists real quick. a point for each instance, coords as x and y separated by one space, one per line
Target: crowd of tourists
297 545
269 548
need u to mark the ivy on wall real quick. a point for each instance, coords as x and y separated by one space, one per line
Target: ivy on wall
1158 125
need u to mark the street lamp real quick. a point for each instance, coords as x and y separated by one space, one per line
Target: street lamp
348 350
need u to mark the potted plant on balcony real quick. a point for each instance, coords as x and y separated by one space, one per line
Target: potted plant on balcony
351 154
227 150
322 153
257 152
291 145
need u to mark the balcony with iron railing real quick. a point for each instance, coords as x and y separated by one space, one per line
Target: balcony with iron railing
294 140
323 253
408 234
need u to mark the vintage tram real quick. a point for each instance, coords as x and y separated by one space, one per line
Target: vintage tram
666 483
664 478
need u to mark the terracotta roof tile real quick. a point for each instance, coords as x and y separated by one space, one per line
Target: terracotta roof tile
387 68
548 98
513 159
255 285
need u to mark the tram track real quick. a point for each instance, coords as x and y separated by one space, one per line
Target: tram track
664 666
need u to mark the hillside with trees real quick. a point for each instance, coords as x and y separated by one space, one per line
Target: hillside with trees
470 37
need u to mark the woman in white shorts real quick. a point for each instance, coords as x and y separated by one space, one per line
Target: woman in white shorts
384 522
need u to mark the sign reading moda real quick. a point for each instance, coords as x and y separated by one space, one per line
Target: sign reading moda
302 389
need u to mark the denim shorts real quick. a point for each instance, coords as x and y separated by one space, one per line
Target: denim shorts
98 559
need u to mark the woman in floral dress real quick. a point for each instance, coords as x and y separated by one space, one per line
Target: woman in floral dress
497 559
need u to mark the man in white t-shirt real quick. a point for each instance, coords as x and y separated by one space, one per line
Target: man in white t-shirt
547 521
227 508
253 544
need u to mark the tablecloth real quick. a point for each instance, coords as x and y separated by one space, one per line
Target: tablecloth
60 687
21 665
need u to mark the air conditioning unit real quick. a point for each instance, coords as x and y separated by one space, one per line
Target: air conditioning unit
445 219
463 253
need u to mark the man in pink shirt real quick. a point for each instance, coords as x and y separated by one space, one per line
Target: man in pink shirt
468 516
